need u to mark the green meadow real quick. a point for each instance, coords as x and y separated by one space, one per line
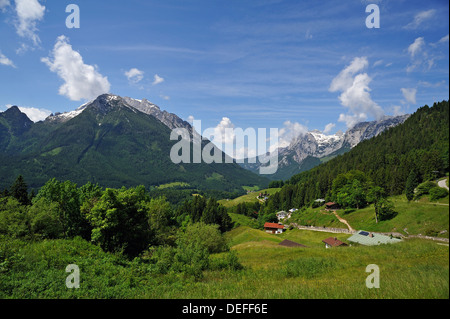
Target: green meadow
414 268
248 198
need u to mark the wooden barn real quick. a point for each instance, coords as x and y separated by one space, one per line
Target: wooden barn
273 228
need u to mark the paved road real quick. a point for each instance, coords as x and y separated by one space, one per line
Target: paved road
443 184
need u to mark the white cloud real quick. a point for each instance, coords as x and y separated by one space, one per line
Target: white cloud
344 80
4 4
29 13
416 46
420 18
421 58
33 113
356 93
397 110
443 39
377 63
81 81
224 132
289 132
190 119
164 97
157 80
328 128
5 61
410 95
134 75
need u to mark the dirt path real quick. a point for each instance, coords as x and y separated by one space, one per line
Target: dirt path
343 221
443 184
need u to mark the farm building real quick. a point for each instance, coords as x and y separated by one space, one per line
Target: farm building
282 215
333 242
371 239
273 228
331 206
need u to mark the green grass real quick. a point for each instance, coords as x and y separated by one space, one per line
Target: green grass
417 217
172 185
251 188
248 198
411 269
241 220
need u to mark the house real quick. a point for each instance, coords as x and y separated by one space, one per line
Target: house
273 228
331 206
282 215
372 239
288 243
333 242
293 210
320 200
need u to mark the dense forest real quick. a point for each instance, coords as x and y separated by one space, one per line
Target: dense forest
418 148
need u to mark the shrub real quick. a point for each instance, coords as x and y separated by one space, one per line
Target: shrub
424 188
207 236
438 192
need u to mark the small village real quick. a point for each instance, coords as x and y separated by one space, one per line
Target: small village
360 237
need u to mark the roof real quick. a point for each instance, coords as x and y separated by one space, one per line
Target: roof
333 241
289 243
330 204
364 238
273 225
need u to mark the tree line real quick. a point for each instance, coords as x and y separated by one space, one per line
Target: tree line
125 221
418 148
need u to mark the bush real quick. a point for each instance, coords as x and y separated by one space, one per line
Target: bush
438 192
229 261
14 220
207 236
424 188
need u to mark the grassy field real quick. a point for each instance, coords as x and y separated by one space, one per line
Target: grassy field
248 198
172 185
416 217
411 269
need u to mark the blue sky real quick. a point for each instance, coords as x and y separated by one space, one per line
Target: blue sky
292 65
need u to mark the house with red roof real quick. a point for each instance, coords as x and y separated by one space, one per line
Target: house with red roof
273 228
333 242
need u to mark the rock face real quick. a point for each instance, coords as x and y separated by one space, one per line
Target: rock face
170 120
305 151
366 130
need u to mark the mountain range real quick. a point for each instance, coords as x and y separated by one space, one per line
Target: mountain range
313 148
113 141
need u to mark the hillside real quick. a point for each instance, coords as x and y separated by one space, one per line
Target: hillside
107 142
309 150
419 270
419 145
422 217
